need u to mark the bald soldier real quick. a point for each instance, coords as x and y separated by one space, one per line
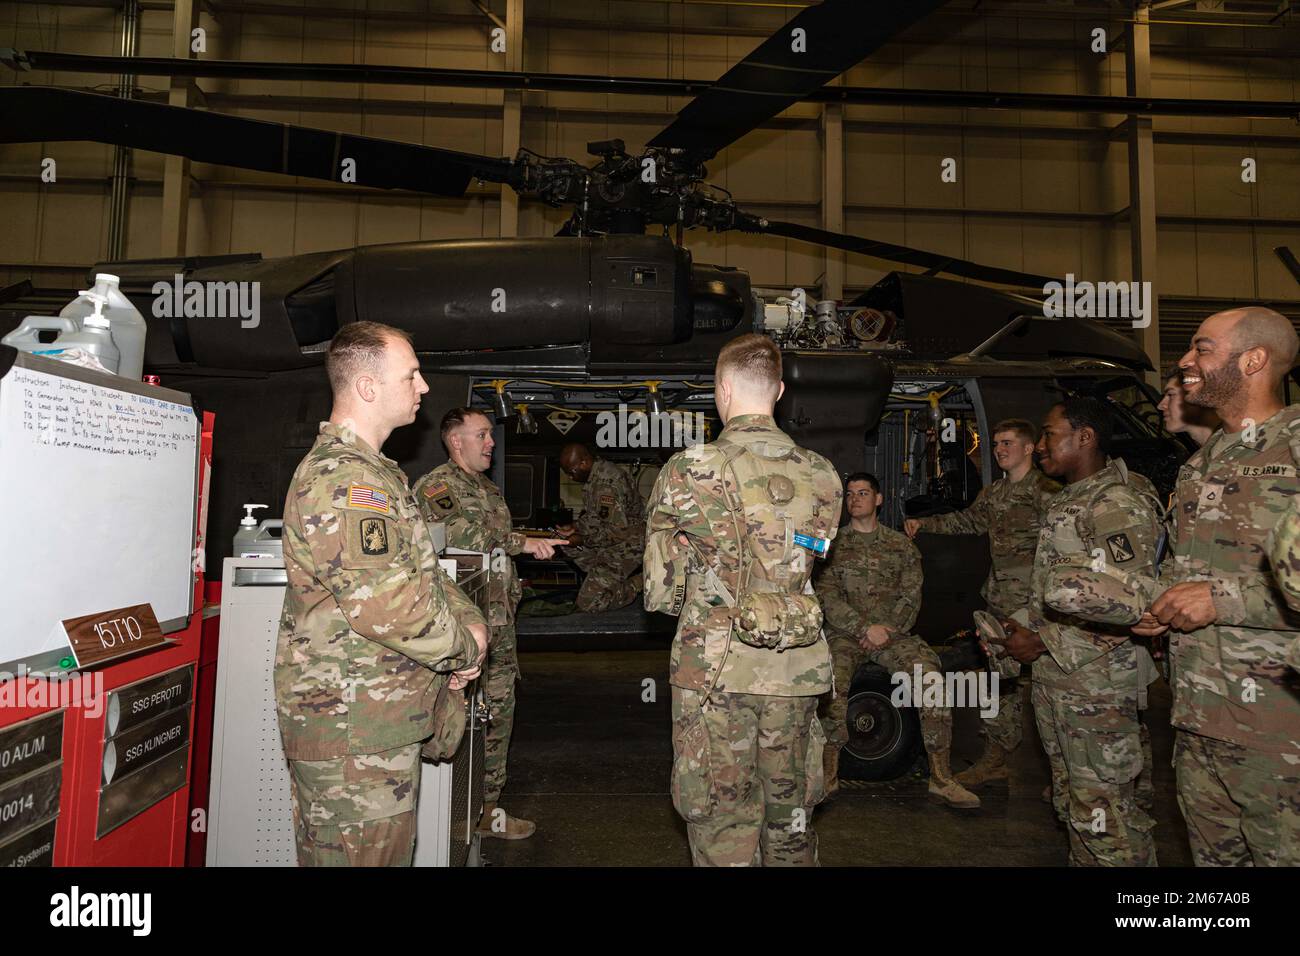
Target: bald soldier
734 529
870 593
373 634
610 533
1236 703
1094 573
459 494
1010 511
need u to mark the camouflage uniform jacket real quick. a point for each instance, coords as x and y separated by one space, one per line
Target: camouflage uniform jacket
369 618
1010 513
871 579
1094 575
693 496
1284 552
612 512
477 519
1230 679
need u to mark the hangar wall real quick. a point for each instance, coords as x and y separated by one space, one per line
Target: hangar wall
1046 192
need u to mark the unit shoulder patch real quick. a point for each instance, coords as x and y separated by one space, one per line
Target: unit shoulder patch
440 498
1121 550
374 536
369 542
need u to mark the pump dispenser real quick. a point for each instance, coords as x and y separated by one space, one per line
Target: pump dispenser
95 335
254 540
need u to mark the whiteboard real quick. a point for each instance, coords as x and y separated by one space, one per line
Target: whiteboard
97 500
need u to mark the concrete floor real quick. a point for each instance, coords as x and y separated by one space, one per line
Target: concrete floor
590 763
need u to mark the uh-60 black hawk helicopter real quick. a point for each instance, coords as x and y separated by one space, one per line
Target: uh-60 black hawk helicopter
904 381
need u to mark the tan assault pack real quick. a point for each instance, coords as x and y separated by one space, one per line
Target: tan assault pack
775 607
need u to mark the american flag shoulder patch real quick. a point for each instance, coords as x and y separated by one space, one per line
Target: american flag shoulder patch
367 496
435 489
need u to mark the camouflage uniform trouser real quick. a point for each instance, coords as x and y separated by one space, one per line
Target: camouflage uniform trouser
1094 746
1242 805
899 656
747 772
357 810
500 671
1006 728
613 579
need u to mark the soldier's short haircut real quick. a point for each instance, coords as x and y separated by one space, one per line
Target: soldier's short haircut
1022 427
1261 327
1084 411
866 476
753 358
456 417
356 349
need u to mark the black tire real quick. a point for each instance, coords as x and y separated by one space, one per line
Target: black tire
884 740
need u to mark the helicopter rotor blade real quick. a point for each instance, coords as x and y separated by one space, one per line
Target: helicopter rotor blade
1288 258
933 261
820 43
42 114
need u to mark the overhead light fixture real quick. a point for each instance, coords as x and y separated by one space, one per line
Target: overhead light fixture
654 401
501 401
526 425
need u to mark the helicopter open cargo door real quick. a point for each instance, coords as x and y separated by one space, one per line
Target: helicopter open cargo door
997 399
831 401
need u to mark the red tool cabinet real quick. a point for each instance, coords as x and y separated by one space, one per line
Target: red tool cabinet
100 822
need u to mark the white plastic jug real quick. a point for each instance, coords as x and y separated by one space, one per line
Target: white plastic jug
126 325
95 337
259 540
27 337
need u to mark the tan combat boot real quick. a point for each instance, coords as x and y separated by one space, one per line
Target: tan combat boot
831 766
944 788
499 824
991 766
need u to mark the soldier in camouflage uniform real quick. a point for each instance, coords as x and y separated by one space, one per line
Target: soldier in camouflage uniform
1010 511
1180 418
459 494
610 534
1094 573
870 592
1236 703
732 535
373 634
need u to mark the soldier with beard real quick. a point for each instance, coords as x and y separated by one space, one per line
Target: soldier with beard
1236 704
